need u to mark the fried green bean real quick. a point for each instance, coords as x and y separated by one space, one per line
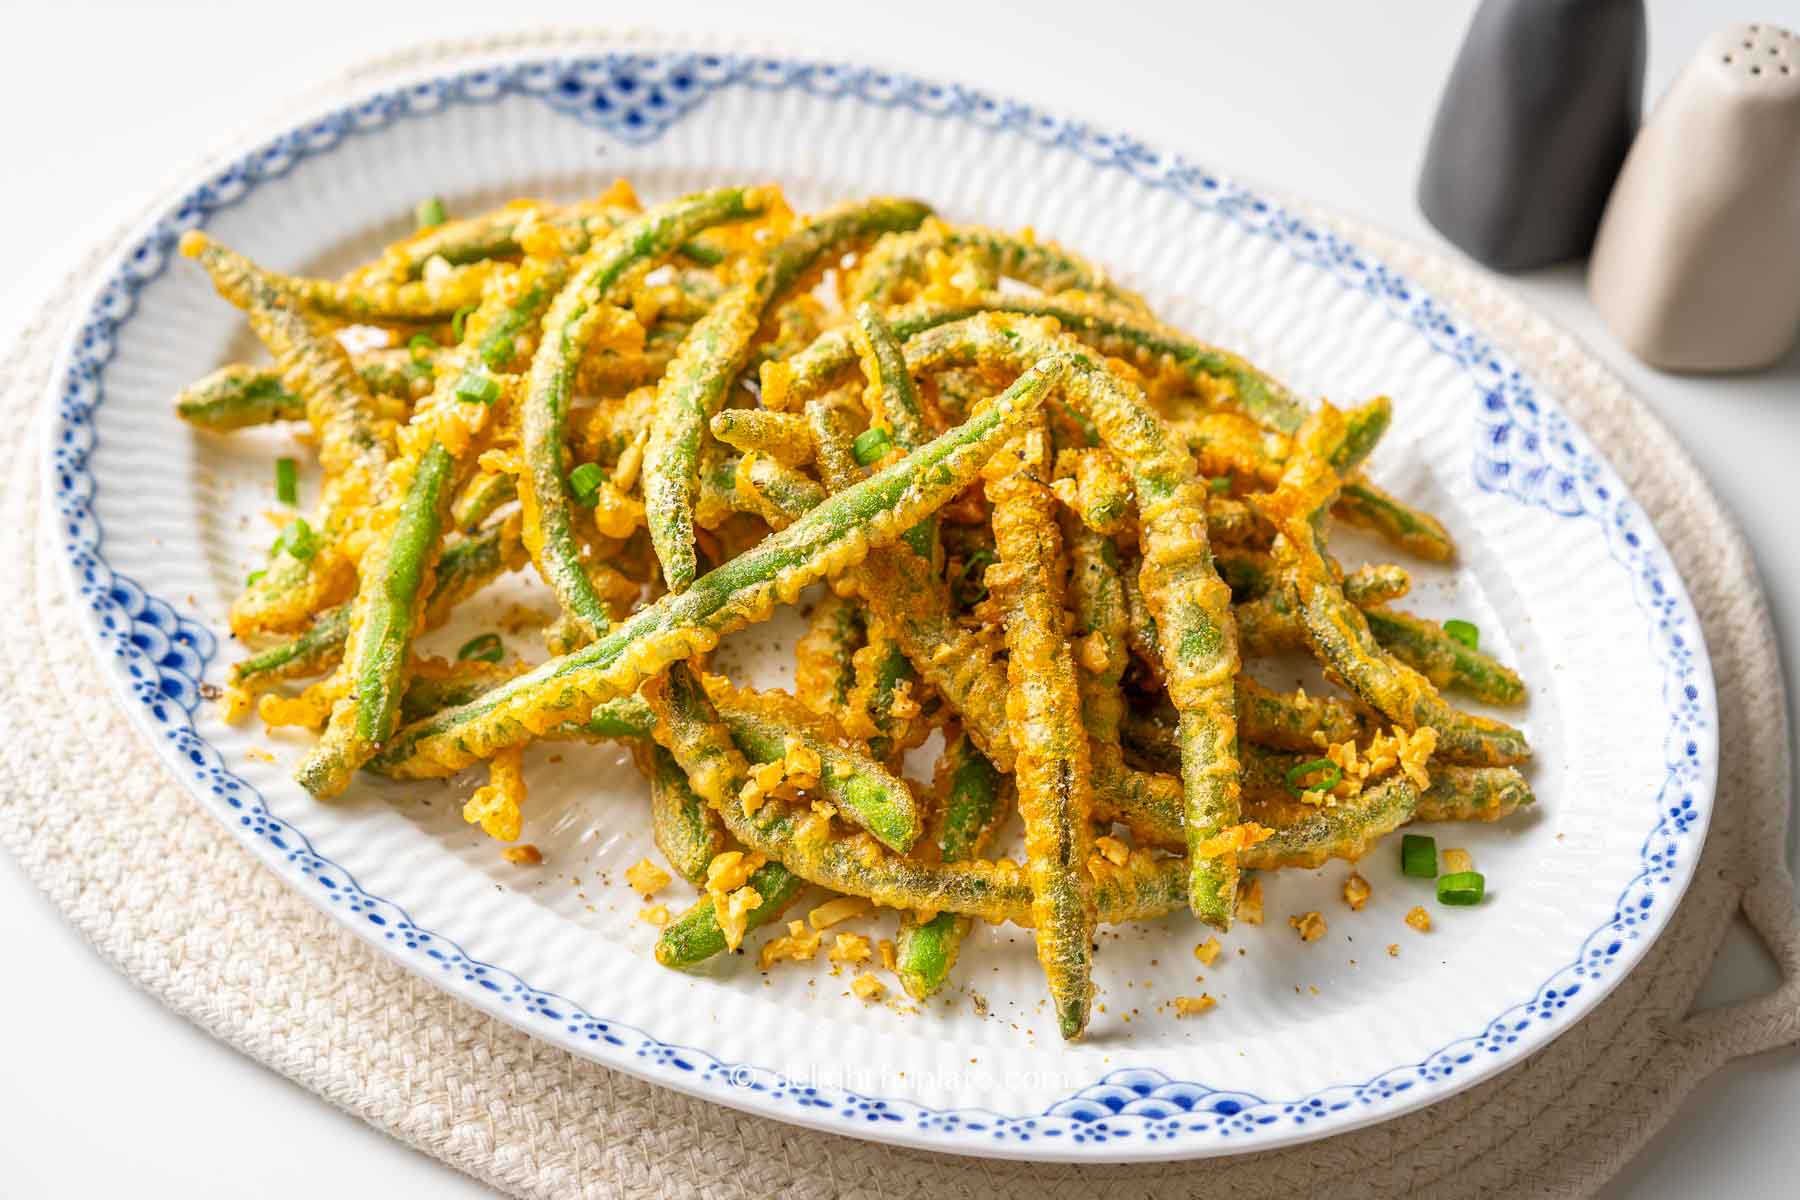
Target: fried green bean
1473 794
1052 770
1339 635
1414 530
897 262
466 566
766 725
381 624
1424 646
1308 835
1294 721
1186 597
835 535
712 355
571 322
384 301
428 691
696 936
352 449
239 396
825 657
1106 326
487 491
971 804
891 398
785 437
686 831
779 495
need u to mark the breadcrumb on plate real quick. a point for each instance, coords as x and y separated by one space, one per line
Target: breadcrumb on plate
1208 951
1310 926
527 855
866 987
1419 919
849 948
646 878
656 914
1456 861
833 912
796 944
1193 1006
1356 891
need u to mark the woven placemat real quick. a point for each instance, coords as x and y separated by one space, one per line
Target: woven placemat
164 893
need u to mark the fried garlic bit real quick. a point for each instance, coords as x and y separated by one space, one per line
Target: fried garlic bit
849 948
496 807
1233 839
1193 1006
797 769
646 878
834 912
866 987
727 882
1419 919
1310 926
1208 951
1394 749
1356 891
797 944
656 914
527 855
1457 861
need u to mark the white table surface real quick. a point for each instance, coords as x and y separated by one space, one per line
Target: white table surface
103 1091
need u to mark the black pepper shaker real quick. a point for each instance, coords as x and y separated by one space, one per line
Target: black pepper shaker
1533 127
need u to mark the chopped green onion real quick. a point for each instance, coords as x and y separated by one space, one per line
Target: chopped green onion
459 322
1464 632
287 481
1462 888
1219 486
421 345
485 648
585 482
298 539
1418 856
497 352
477 387
252 577
430 212
1334 774
870 445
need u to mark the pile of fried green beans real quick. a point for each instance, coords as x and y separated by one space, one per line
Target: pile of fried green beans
1051 531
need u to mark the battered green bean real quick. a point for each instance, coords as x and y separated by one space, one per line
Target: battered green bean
381 625
238 396
1473 794
572 320
1190 603
1307 835
695 935
456 683
1424 646
712 355
1338 633
1363 504
971 804
352 449
686 831
825 657
785 437
486 492
434 298
900 261
831 537
1051 767
466 566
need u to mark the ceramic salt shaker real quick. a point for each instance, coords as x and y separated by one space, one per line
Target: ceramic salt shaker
1537 115
1697 266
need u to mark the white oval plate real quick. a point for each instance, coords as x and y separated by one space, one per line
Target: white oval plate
1561 571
